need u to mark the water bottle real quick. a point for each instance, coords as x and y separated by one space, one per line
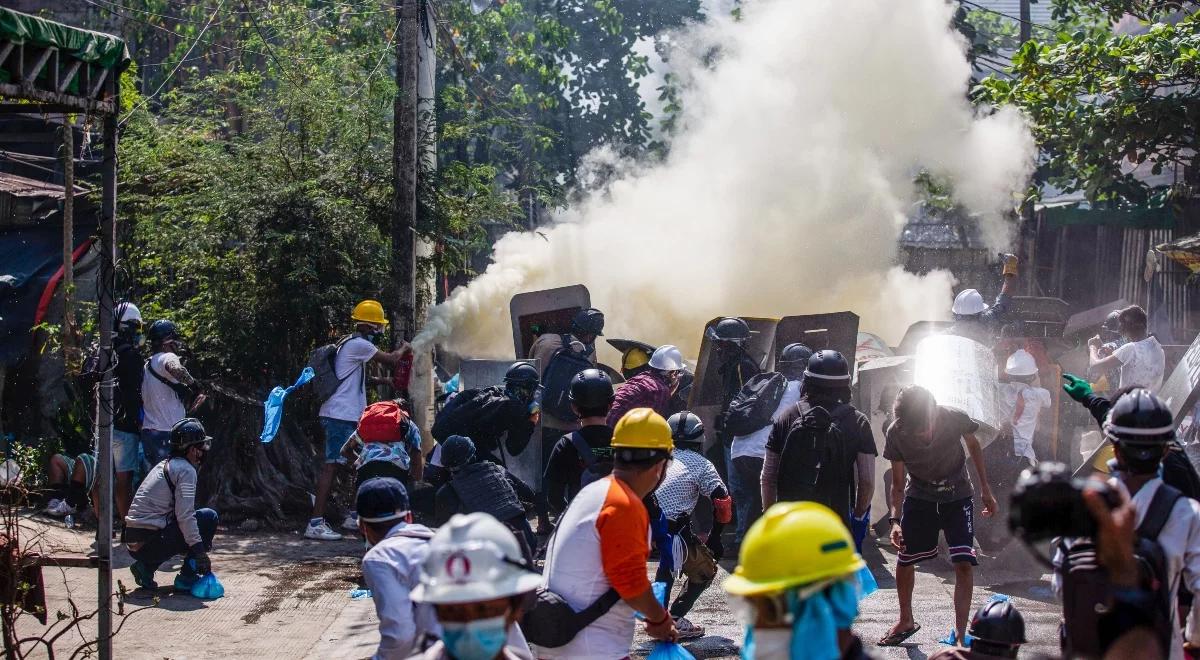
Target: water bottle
69 521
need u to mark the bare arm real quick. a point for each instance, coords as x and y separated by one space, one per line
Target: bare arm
898 478
769 478
390 359
1100 364
417 469
663 627
985 490
864 465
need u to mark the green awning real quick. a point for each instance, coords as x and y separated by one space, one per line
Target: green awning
97 48
1142 217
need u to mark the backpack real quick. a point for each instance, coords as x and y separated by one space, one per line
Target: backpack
597 463
383 421
557 377
814 442
326 382
1086 590
755 404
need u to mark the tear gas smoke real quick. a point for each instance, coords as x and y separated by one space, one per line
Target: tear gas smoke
785 190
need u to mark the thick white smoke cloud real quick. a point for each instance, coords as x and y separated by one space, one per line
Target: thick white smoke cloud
786 189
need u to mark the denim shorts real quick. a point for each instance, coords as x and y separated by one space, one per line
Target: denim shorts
337 432
156 446
125 446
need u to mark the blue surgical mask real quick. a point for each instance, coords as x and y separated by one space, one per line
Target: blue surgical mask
482 639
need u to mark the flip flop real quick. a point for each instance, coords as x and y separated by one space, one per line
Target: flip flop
898 638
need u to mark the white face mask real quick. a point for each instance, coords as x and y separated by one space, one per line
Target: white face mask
772 643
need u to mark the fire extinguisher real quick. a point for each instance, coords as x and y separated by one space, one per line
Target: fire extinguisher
402 374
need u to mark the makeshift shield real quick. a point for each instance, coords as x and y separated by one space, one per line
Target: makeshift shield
705 399
837 331
537 312
961 374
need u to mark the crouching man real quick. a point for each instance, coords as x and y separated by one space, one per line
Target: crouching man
163 520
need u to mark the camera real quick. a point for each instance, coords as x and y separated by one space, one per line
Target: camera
1047 502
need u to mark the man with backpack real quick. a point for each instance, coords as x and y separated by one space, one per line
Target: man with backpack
583 456
560 357
507 412
163 520
749 419
342 383
690 475
1166 548
822 449
650 389
479 486
931 494
599 551
168 391
127 417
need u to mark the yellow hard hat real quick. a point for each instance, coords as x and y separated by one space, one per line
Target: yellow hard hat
369 311
793 544
634 358
642 428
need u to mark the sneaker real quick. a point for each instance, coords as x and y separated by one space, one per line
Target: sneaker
321 532
52 507
351 523
59 508
185 582
143 576
687 629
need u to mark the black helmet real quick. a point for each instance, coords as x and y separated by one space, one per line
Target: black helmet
162 330
686 427
827 368
457 451
591 389
729 328
793 359
521 373
187 432
588 321
1140 420
1112 322
999 623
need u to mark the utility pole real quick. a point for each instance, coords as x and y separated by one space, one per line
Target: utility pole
68 246
1026 22
1027 244
405 161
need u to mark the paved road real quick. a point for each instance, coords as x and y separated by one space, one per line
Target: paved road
289 598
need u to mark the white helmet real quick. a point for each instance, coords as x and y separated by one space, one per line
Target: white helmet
128 311
968 303
473 558
666 358
1021 363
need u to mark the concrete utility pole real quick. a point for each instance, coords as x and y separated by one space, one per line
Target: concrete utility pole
1027 245
68 248
1026 22
404 167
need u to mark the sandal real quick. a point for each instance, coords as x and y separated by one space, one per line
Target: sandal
898 638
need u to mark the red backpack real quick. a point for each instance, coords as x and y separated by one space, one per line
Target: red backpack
383 422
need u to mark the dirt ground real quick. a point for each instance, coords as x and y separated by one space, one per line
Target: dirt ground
287 597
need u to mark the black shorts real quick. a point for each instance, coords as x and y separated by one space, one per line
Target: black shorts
922 520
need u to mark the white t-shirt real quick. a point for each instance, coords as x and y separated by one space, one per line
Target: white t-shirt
1142 363
755 444
160 404
1034 400
350 398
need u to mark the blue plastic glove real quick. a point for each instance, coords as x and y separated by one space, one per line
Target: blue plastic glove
858 528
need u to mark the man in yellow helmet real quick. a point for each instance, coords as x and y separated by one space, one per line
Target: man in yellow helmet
340 412
601 546
798 583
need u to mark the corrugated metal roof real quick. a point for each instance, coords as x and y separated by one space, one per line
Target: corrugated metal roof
19 186
1039 12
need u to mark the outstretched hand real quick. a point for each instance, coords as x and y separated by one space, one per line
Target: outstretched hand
1076 387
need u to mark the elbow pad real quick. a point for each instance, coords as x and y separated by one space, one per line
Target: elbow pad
723 509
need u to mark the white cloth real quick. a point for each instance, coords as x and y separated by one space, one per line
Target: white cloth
350 398
689 476
755 444
1142 363
161 406
1035 398
1180 541
392 569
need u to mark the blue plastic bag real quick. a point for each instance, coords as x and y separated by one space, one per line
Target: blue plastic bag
669 651
660 594
208 587
273 406
356 594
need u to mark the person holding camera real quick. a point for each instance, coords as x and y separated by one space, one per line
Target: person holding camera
1163 552
925 444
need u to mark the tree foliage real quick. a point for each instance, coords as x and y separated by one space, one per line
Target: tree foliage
1101 104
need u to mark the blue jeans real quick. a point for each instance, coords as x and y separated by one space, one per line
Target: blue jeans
169 541
156 445
745 477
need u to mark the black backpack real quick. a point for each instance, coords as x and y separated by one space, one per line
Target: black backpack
1086 590
815 443
326 382
597 463
755 404
557 377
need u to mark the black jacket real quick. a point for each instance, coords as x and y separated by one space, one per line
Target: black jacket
486 416
1178 471
127 415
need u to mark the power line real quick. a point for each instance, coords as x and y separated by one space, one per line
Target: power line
1010 17
168 77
